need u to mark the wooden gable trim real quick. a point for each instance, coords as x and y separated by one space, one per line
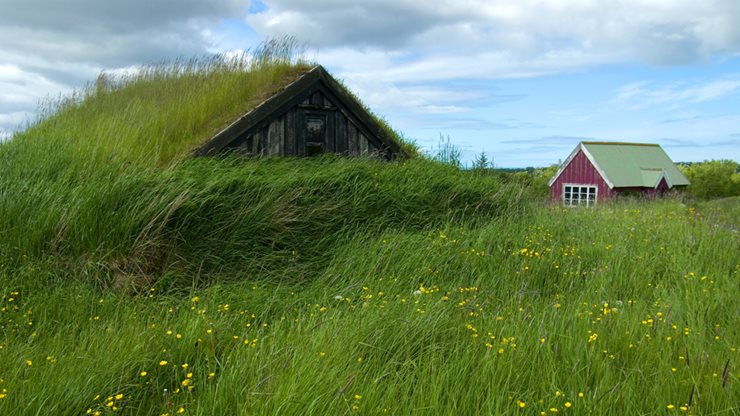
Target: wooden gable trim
564 165
318 79
371 136
598 168
286 98
360 114
590 158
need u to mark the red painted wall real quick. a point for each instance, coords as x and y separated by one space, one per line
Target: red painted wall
662 187
580 171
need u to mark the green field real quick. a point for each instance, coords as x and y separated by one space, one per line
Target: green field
140 282
724 212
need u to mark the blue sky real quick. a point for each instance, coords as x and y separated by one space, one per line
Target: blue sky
522 81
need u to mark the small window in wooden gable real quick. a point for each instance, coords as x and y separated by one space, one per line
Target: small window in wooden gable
315 136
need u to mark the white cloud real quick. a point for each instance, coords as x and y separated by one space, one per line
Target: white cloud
50 47
642 94
387 47
655 31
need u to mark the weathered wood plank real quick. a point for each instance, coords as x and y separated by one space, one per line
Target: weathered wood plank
341 133
363 144
331 132
283 138
371 147
290 139
258 143
352 144
300 133
317 98
275 137
245 145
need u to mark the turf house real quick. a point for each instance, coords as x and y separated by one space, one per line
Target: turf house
602 170
314 114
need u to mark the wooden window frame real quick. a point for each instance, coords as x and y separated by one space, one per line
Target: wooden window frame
314 148
591 190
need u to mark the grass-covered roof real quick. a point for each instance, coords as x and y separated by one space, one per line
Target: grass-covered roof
159 114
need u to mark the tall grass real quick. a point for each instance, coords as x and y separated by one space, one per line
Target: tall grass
233 217
628 309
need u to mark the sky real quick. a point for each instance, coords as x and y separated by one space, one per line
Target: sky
523 81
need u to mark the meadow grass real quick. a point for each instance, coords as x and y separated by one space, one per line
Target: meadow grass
725 212
621 310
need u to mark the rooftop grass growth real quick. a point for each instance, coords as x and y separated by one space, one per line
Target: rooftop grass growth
159 113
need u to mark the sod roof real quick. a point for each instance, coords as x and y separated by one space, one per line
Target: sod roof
161 114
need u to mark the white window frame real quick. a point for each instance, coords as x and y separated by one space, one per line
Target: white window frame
582 199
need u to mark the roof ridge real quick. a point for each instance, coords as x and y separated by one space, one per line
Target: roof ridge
622 143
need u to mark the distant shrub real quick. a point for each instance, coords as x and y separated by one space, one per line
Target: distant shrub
713 178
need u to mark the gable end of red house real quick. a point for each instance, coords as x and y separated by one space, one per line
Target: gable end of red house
580 171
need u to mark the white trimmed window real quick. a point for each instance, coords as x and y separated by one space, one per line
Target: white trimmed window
579 195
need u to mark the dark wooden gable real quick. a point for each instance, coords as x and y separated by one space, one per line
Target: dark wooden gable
313 115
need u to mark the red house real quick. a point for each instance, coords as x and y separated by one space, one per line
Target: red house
601 170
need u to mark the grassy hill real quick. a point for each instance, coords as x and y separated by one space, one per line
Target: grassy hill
137 281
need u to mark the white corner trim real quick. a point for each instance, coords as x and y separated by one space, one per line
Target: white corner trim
591 159
564 165
664 175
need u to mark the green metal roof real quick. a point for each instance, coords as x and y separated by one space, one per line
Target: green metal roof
633 164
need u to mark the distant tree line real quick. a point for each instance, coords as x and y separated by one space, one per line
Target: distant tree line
712 178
